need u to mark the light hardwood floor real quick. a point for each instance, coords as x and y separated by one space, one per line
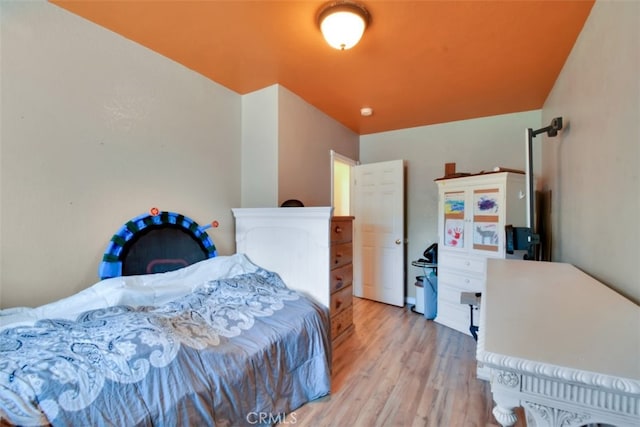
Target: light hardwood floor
400 369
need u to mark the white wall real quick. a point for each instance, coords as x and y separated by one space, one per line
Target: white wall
474 145
592 167
306 137
260 148
96 130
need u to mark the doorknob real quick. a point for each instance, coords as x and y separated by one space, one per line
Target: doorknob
398 241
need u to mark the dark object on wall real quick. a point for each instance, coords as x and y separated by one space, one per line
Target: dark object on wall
161 248
292 203
533 233
431 254
517 238
450 171
543 210
156 243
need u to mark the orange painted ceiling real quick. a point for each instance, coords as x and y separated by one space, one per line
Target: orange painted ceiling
418 63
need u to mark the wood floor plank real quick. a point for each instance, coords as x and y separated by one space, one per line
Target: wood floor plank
400 369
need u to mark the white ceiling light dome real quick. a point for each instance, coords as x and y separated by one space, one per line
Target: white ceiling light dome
342 23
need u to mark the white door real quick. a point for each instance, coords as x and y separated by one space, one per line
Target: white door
378 240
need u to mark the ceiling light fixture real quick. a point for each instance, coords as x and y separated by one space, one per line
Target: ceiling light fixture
342 23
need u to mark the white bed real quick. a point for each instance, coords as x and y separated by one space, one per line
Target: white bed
223 341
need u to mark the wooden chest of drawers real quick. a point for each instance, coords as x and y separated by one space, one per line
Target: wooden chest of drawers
341 278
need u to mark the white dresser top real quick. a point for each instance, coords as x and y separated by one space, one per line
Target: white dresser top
554 314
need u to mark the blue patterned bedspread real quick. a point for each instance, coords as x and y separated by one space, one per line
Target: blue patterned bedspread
222 355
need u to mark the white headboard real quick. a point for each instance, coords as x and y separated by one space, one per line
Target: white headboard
293 242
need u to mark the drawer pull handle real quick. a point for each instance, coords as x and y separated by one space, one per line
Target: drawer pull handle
338 304
337 229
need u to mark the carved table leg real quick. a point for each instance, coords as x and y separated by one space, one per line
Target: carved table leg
505 416
505 387
504 409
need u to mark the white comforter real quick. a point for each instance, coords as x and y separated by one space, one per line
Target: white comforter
150 289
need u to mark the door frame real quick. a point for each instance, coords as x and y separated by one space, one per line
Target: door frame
339 158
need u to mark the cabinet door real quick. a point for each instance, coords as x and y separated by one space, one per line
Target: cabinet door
453 232
472 216
486 220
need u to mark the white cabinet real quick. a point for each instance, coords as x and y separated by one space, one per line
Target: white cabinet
472 214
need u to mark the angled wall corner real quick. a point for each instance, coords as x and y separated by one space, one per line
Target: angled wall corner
259 152
286 145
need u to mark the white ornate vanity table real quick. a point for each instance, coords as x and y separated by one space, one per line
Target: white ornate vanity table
560 344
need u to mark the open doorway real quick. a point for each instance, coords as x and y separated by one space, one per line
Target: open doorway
341 174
